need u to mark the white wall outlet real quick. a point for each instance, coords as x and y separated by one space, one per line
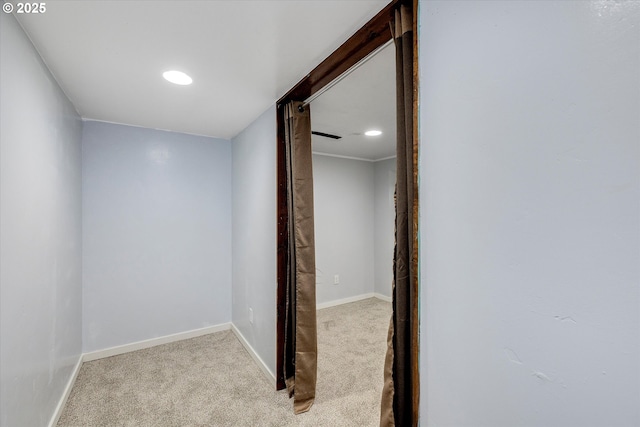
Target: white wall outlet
250 315
336 279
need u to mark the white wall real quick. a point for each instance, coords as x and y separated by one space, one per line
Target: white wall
344 224
156 233
40 234
384 224
254 235
530 172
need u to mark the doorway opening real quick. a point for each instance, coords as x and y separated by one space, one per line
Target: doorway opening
354 176
354 181
368 39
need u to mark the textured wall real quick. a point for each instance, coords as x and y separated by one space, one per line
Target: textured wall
40 234
156 233
384 229
530 173
344 225
254 235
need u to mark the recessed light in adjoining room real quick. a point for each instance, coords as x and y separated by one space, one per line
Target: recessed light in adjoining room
373 132
177 77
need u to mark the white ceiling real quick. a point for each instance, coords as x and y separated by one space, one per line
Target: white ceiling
363 100
109 56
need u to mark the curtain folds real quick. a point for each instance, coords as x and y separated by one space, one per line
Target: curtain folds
399 406
300 347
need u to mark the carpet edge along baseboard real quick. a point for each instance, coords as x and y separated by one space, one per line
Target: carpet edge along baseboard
152 342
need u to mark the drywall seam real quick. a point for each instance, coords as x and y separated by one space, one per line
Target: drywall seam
140 345
256 358
67 391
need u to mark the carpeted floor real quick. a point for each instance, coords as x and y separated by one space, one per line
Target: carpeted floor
212 381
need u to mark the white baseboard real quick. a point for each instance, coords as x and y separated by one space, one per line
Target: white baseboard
352 299
65 394
139 345
344 301
263 366
382 297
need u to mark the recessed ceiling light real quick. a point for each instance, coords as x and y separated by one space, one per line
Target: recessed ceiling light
373 132
177 77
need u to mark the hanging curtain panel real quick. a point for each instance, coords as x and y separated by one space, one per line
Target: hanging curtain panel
400 396
300 347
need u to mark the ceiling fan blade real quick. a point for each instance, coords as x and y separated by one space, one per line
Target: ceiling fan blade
326 135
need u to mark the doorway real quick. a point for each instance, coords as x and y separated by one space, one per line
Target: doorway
369 38
354 178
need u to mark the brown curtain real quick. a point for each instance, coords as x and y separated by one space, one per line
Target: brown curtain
400 392
300 347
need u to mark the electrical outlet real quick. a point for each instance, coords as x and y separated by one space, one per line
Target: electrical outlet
250 315
336 279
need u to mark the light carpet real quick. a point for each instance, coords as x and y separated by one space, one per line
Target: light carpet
212 380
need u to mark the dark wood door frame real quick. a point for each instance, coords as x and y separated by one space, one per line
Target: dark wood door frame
366 40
